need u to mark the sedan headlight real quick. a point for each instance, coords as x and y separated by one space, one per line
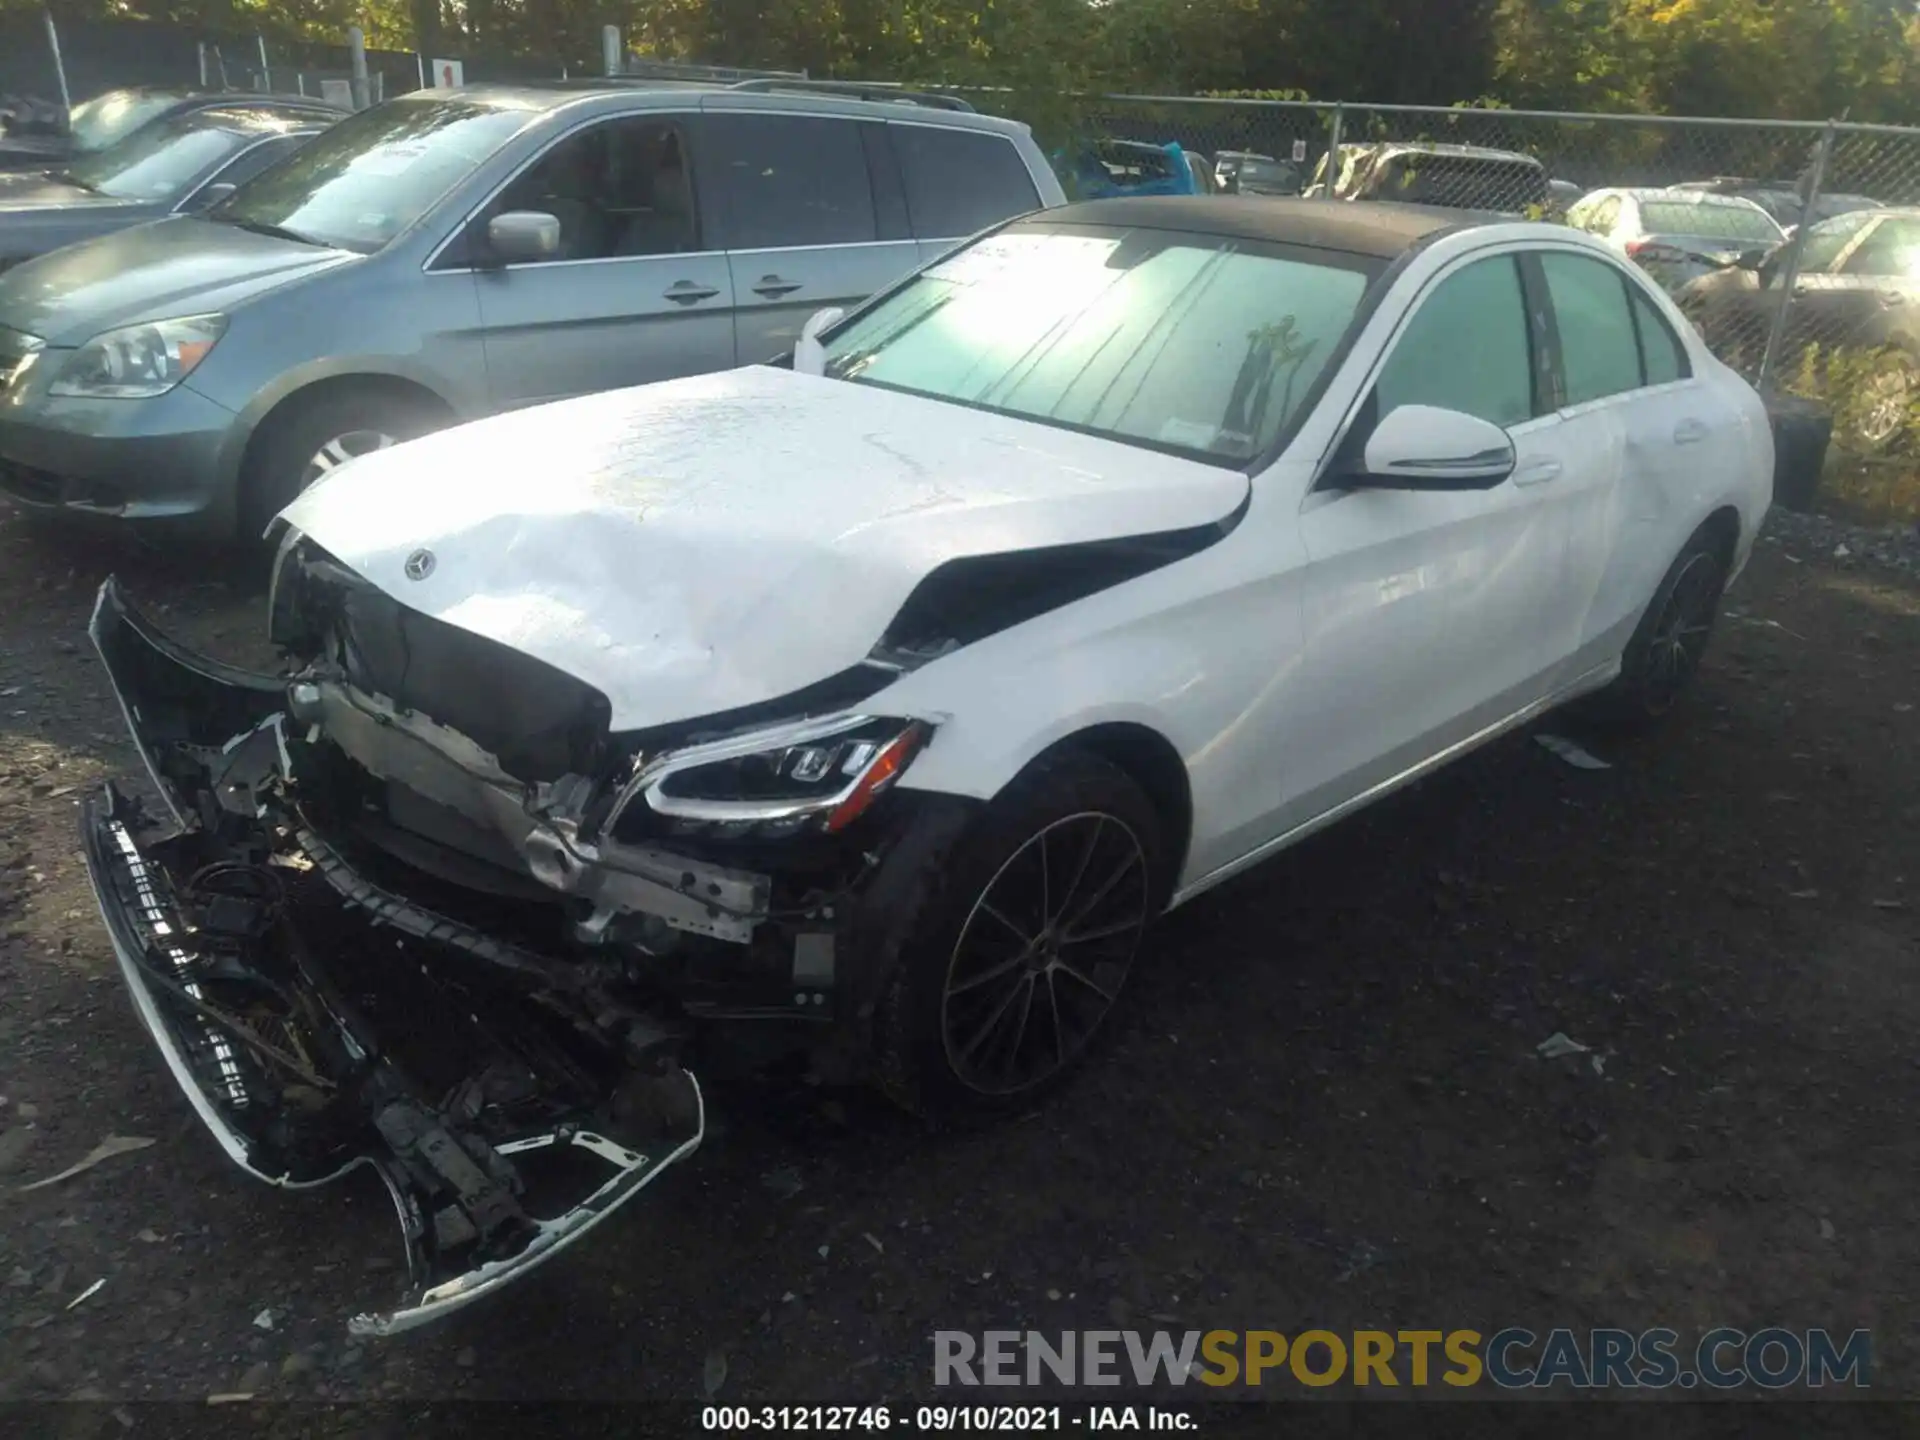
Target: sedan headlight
813 776
137 362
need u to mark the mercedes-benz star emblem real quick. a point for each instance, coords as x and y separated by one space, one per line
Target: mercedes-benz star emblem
419 565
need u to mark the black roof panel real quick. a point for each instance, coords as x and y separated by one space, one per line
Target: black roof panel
1357 227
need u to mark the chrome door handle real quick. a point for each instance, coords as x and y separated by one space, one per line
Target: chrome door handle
1689 432
1535 472
687 293
773 287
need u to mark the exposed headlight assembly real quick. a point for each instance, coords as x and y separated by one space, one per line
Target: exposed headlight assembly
819 775
137 362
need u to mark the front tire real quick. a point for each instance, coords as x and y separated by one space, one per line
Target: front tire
1880 410
321 434
1018 939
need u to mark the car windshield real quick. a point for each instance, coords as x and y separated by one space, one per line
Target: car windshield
1709 222
107 119
1825 242
162 161
359 184
1195 344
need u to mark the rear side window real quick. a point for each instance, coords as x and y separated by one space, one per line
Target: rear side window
1598 346
787 180
959 181
1662 357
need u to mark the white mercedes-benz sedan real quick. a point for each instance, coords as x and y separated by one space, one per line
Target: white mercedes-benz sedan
870 706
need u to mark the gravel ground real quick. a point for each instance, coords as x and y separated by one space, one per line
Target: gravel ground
1323 1106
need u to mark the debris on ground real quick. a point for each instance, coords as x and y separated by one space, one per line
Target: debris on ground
264 1320
91 1290
1558 1044
108 1148
714 1372
868 1236
784 1182
1575 755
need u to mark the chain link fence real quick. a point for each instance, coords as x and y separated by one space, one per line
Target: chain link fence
1791 245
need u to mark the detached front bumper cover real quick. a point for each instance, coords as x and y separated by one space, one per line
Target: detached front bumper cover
314 1035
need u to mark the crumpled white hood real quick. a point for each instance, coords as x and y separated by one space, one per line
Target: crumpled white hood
703 544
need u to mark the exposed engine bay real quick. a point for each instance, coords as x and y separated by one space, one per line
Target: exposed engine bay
470 948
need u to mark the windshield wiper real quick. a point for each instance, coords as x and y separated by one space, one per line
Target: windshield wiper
67 177
263 227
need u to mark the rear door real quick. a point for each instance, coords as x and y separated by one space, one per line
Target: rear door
808 210
637 291
958 182
1640 430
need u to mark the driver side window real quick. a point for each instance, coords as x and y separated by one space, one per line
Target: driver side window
619 189
1466 348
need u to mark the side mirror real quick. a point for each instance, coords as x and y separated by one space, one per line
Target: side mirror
522 235
207 197
810 356
1422 447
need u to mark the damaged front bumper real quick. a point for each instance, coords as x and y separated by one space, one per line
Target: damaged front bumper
320 1021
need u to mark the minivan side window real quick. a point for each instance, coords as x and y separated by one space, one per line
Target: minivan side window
1465 349
1599 347
960 181
781 181
618 189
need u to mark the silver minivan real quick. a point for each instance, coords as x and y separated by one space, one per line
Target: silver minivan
453 253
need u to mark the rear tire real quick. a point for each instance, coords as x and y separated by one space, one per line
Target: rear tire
1665 652
1015 941
319 435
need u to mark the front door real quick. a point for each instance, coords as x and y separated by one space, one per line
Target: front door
633 295
1426 611
807 219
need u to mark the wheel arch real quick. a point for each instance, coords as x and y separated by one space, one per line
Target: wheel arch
1722 528
1150 760
326 387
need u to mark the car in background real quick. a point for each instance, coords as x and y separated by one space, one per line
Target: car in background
1781 198
879 705
108 118
1246 172
174 166
1562 196
1676 236
1856 298
449 254
1104 169
1454 177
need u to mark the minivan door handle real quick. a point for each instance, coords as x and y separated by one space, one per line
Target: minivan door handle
773 287
1537 472
1689 432
688 293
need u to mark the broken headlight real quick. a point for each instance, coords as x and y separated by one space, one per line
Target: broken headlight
812 776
